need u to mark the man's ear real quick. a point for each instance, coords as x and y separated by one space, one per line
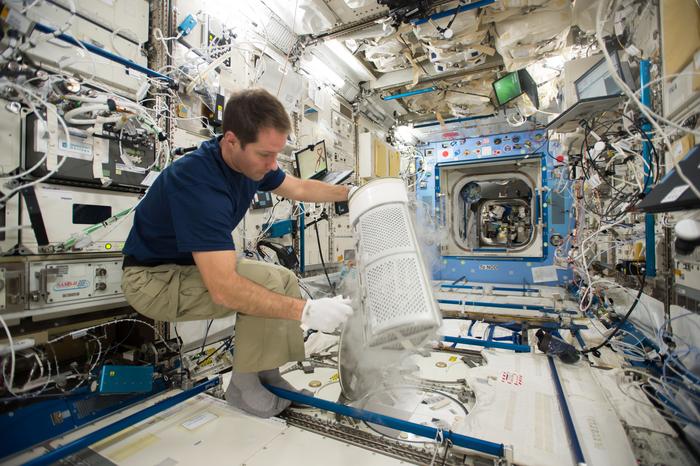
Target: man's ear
230 137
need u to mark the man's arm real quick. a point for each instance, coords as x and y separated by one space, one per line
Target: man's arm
229 289
311 190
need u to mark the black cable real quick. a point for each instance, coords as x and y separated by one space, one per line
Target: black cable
449 25
206 333
323 263
621 323
226 343
179 350
447 450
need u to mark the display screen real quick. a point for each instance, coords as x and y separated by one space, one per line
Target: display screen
312 161
89 214
598 81
507 88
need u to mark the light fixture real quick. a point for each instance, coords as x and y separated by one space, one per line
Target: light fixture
319 70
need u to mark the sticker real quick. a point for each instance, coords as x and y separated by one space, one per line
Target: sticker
544 274
674 194
76 149
335 377
453 358
594 181
150 178
49 192
486 150
132 169
65 285
511 378
199 420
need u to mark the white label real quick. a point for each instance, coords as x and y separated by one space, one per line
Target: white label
199 420
47 192
76 150
486 151
488 267
674 194
594 181
544 274
132 169
150 178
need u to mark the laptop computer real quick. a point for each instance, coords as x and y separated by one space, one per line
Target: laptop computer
312 164
672 193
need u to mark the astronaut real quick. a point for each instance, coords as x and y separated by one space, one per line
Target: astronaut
180 261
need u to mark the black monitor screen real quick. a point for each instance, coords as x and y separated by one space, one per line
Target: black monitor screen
515 84
311 161
507 88
598 81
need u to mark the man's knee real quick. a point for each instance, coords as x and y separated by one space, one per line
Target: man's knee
263 274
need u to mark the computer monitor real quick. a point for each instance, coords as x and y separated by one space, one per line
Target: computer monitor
312 162
507 88
599 82
515 84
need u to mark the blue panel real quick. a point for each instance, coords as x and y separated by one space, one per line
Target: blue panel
491 148
46 419
126 379
80 443
187 25
279 228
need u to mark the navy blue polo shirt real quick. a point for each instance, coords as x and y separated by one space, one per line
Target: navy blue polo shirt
193 205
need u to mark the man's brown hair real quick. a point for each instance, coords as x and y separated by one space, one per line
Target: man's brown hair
250 110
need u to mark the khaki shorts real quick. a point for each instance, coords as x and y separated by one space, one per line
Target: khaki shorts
176 293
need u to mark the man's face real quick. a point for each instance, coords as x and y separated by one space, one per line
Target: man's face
257 158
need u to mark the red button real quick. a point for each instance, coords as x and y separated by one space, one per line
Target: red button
445 153
560 158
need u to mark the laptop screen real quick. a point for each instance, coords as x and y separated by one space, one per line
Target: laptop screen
312 161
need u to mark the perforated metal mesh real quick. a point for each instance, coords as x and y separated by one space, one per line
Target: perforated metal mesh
397 304
399 309
383 229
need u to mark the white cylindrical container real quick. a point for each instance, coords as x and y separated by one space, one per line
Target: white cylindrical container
398 306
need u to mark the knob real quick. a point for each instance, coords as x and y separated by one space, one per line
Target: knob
100 286
101 272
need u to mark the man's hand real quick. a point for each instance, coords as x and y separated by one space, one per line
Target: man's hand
326 314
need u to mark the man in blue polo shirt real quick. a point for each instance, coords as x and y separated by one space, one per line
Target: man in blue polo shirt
180 261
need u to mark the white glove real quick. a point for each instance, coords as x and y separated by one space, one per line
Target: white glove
326 314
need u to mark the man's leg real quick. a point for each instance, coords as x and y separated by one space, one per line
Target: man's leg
262 345
177 293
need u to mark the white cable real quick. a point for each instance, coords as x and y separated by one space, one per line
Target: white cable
81 331
643 108
10 382
58 166
197 79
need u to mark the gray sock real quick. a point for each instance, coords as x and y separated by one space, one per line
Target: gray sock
274 378
247 393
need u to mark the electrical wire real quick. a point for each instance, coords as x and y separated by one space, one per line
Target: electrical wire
323 263
625 88
621 323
